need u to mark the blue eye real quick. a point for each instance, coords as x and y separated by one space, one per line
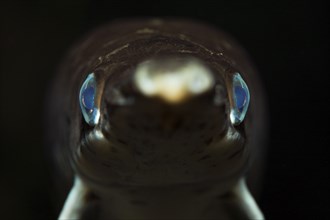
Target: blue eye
87 100
241 100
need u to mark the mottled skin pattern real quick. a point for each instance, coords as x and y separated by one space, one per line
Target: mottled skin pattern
158 160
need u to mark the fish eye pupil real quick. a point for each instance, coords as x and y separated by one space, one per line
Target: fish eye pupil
89 108
88 95
241 100
240 97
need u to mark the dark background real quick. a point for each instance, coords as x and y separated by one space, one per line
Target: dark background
288 40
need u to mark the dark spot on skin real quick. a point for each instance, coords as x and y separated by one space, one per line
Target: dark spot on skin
122 141
145 142
147 163
187 128
132 191
224 196
90 197
68 120
209 141
214 165
212 127
205 157
221 134
106 117
184 143
177 124
139 153
202 125
200 151
139 202
146 128
235 154
201 190
241 129
204 134
90 149
92 210
105 164
131 125
197 151
114 150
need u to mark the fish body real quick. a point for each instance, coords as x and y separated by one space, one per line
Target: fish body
164 144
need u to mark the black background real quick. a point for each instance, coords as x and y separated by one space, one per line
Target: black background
288 40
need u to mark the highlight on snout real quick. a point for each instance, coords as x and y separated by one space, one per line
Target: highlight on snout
173 80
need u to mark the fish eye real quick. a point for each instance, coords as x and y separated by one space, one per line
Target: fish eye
241 100
87 100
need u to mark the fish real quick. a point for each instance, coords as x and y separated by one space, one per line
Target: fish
157 119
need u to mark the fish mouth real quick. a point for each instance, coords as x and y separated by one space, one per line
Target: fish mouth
109 159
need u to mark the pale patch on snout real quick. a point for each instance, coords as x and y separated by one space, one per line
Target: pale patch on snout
173 80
